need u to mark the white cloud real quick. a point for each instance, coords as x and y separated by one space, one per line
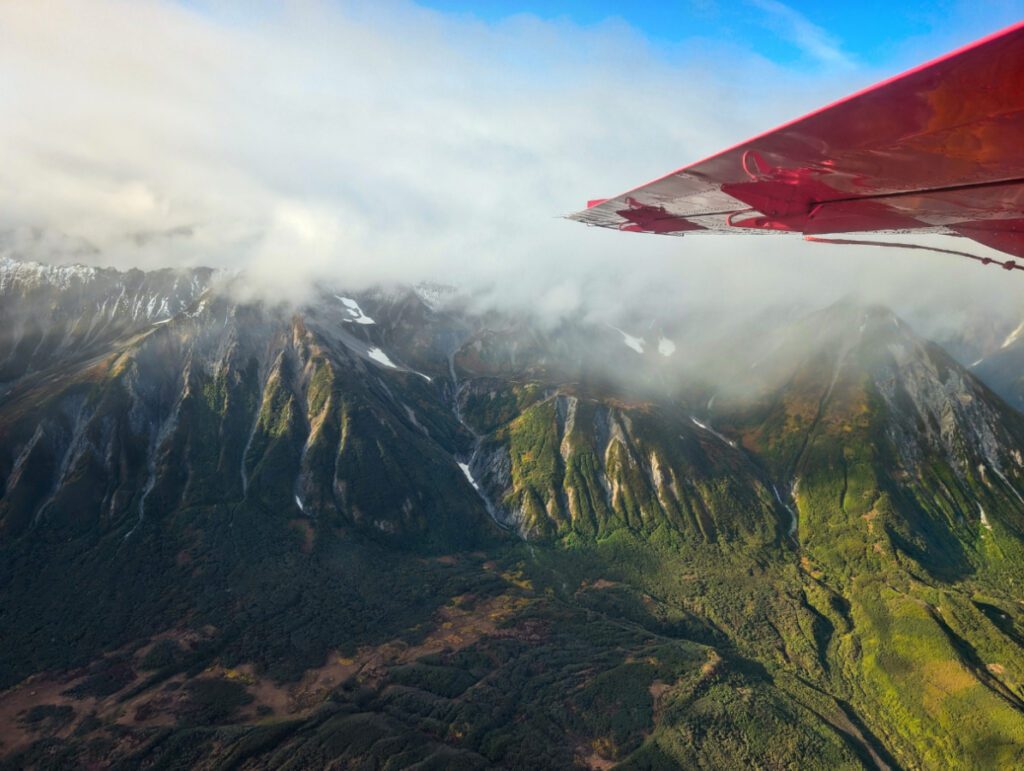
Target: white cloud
808 37
357 143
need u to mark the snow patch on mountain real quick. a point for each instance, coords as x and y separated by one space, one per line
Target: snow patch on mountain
1013 336
636 343
469 475
382 358
358 317
710 430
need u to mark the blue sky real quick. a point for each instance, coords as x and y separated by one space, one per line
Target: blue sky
867 33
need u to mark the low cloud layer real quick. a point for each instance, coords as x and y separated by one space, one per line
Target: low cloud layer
328 142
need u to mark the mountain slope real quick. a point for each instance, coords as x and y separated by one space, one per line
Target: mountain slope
904 472
384 528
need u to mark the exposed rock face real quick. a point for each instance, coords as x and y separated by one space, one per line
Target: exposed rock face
568 463
170 394
225 403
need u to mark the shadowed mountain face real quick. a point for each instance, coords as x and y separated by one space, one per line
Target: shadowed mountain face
382 528
1003 368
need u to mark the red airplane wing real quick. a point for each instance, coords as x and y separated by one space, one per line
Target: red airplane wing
938 149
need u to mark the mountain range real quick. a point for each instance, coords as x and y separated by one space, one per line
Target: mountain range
391 528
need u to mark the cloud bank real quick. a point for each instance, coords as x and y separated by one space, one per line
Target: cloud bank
329 142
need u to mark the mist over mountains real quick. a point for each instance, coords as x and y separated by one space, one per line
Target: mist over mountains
402 523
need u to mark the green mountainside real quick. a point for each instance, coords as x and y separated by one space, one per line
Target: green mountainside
383 531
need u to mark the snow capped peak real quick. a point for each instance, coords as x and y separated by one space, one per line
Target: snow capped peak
15 273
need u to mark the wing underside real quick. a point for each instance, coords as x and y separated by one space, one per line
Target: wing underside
939 149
